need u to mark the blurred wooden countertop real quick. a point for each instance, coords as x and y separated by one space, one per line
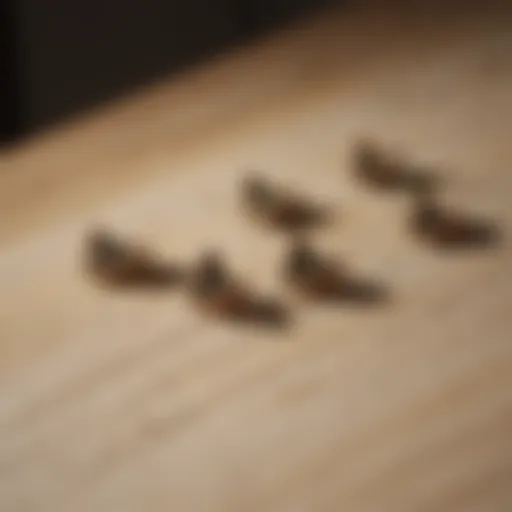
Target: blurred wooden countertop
134 402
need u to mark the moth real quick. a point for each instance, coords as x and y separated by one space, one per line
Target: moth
215 290
114 261
317 276
275 206
218 293
383 171
312 273
439 225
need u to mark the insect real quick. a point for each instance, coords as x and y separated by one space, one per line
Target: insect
112 260
277 207
215 290
311 273
383 171
448 228
218 293
319 277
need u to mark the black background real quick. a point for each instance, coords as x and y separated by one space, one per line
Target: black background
61 56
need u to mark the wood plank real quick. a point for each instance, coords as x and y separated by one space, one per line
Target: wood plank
134 401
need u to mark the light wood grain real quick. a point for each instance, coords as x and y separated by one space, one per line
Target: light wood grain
135 402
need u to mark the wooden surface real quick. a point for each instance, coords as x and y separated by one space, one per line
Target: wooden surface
134 402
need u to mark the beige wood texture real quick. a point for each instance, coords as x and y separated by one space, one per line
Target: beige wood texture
133 402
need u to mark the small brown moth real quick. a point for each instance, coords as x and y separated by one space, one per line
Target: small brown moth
383 171
443 227
278 207
215 290
114 261
311 273
217 293
319 277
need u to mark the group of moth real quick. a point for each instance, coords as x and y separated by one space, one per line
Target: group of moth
215 290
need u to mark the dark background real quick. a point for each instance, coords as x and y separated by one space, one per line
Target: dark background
61 56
